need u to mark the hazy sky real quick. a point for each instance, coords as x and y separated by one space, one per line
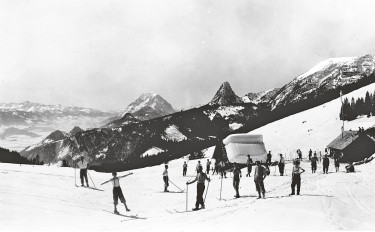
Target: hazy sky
104 54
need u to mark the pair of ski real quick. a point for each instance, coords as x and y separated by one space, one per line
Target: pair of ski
93 188
173 211
133 216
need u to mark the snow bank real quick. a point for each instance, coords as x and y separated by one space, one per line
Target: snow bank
152 151
172 133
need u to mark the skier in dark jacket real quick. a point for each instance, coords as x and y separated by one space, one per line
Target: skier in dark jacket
281 165
337 165
310 154
269 157
296 177
325 164
201 178
184 169
260 174
208 165
249 164
314 161
236 179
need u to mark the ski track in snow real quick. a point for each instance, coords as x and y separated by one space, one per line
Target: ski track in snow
42 197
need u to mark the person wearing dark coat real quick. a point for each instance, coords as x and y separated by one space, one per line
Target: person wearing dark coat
281 165
325 164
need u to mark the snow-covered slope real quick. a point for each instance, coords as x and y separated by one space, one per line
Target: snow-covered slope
45 198
314 128
327 75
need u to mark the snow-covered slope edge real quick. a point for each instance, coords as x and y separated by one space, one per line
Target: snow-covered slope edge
313 128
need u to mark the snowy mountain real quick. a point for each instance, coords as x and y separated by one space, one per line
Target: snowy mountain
147 106
225 96
312 129
327 75
124 146
261 97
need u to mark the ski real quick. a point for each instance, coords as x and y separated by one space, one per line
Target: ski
179 211
90 188
134 216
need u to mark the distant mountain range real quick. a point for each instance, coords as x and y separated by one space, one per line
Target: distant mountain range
146 107
137 143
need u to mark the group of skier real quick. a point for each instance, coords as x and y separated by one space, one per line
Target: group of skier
260 173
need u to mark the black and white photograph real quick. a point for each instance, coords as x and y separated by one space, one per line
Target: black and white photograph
187 115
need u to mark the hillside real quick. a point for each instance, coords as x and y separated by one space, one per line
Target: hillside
337 201
312 129
122 146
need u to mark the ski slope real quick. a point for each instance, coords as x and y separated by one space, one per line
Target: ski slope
44 198
312 129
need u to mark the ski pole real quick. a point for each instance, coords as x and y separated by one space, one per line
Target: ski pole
75 174
221 186
91 178
206 192
187 190
175 185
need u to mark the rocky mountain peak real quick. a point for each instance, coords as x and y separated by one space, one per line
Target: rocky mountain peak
56 135
225 96
75 130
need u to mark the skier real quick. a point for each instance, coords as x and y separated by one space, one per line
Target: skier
314 161
281 165
82 164
269 157
350 167
299 153
325 164
310 154
208 164
201 178
296 177
198 165
249 164
260 174
337 164
165 178
236 179
117 192
222 169
184 169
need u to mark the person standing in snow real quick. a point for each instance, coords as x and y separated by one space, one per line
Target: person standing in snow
296 177
222 169
281 165
314 161
165 178
200 178
249 164
82 164
184 169
269 157
325 164
236 179
299 153
117 192
198 165
260 174
310 154
208 165
337 164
